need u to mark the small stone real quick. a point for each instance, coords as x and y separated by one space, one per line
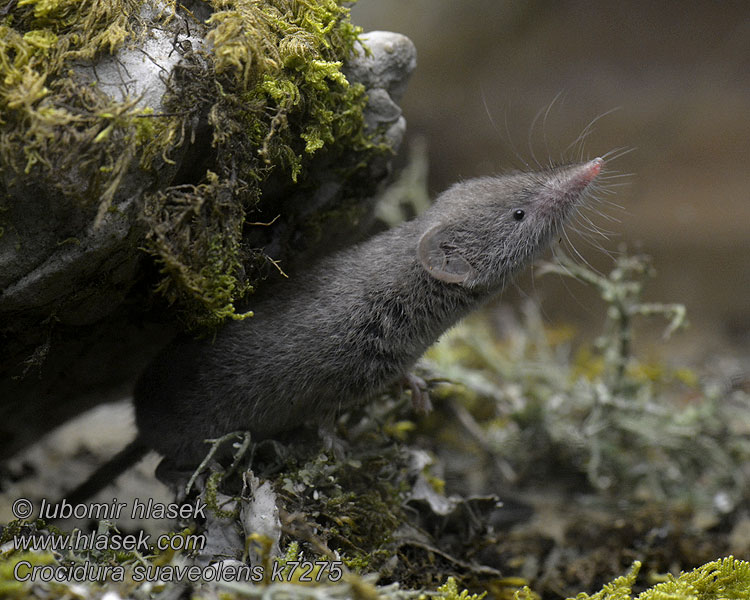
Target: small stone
392 59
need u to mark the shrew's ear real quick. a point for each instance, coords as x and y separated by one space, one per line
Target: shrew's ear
442 259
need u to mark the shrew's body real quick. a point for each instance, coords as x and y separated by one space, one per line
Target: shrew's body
349 327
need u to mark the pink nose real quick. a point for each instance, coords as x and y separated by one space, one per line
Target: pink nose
577 177
591 169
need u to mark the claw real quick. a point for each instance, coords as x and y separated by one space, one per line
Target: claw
332 442
420 398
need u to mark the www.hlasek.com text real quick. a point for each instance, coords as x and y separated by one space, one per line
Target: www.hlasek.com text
79 540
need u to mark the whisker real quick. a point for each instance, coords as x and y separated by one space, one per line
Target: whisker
487 109
544 128
513 147
617 153
613 175
530 137
577 253
588 129
558 254
591 226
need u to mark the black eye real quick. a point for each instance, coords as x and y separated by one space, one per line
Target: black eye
518 215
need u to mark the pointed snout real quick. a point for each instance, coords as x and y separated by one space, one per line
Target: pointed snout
579 176
573 179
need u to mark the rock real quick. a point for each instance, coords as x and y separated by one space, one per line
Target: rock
385 73
77 317
391 60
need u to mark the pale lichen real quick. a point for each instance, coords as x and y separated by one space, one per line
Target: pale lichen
633 428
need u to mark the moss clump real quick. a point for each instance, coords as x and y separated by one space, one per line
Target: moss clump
283 58
205 265
261 99
723 578
449 591
273 94
718 580
354 505
55 125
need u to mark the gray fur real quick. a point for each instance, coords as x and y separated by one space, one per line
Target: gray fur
346 329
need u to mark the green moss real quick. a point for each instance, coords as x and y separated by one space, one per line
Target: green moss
269 85
721 579
283 59
449 591
10 586
212 487
201 270
355 515
724 578
274 96
70 135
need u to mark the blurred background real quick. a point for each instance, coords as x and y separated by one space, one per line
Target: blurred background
678 77
671 81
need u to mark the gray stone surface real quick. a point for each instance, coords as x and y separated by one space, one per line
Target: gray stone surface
384 71
392 58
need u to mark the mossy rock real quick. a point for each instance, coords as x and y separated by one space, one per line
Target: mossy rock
181 130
